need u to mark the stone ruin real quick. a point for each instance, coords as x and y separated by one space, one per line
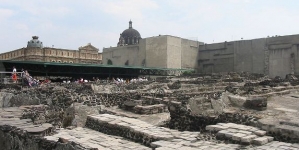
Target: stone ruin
217 111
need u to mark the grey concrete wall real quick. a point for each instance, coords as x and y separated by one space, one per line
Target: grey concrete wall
189 53
134 54
238 56
249 55
156 51
279 62
174 52
270 55
218 57
295 49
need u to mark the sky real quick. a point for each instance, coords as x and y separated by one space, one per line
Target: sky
69 24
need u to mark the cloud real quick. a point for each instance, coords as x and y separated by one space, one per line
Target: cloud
73 23
124 8
21 26
5 13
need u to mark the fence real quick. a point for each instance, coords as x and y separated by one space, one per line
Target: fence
6 77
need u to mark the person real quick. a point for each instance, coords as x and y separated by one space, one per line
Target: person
14 74
23 73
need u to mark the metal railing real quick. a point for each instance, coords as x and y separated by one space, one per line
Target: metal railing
6 77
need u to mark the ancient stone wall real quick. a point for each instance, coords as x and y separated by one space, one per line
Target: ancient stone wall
183 119
12 138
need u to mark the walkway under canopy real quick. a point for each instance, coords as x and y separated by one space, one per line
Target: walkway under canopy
84 70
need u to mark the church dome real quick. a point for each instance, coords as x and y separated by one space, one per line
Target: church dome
129 36
130 32
35 42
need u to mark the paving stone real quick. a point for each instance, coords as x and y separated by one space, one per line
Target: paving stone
260 140
186 148
248 138
159 144
229 134
211 127
174 146
222 133
237 136
260 132
270 138
283 147
295 145
245 132
163 148
232 130
264 147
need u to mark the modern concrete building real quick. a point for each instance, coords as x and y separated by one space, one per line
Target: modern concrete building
274 56
36 52
163 51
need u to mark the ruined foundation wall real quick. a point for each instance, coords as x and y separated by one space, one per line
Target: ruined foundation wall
182 119
12 138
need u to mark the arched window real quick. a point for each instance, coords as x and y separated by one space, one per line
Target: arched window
109 62
143 63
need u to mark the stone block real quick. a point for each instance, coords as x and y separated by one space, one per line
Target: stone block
232 130
260 132
244 132
270 138
284 147
260 141
237 100
296 145
257 103
221 134
238 136
248 139
210 127
252 129
229 134
158 144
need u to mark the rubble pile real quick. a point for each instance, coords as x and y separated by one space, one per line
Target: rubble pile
216 110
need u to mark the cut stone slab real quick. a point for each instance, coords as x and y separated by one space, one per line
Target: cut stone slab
248 139
238 136
260 132
260 141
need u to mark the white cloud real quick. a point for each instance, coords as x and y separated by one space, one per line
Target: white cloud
21 26
73 23
126 9
5 13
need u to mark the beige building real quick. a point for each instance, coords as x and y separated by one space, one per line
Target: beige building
36 52
273 56
161 51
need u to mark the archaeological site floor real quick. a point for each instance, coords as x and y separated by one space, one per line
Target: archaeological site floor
232 111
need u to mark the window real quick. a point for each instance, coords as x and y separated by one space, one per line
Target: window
109 62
